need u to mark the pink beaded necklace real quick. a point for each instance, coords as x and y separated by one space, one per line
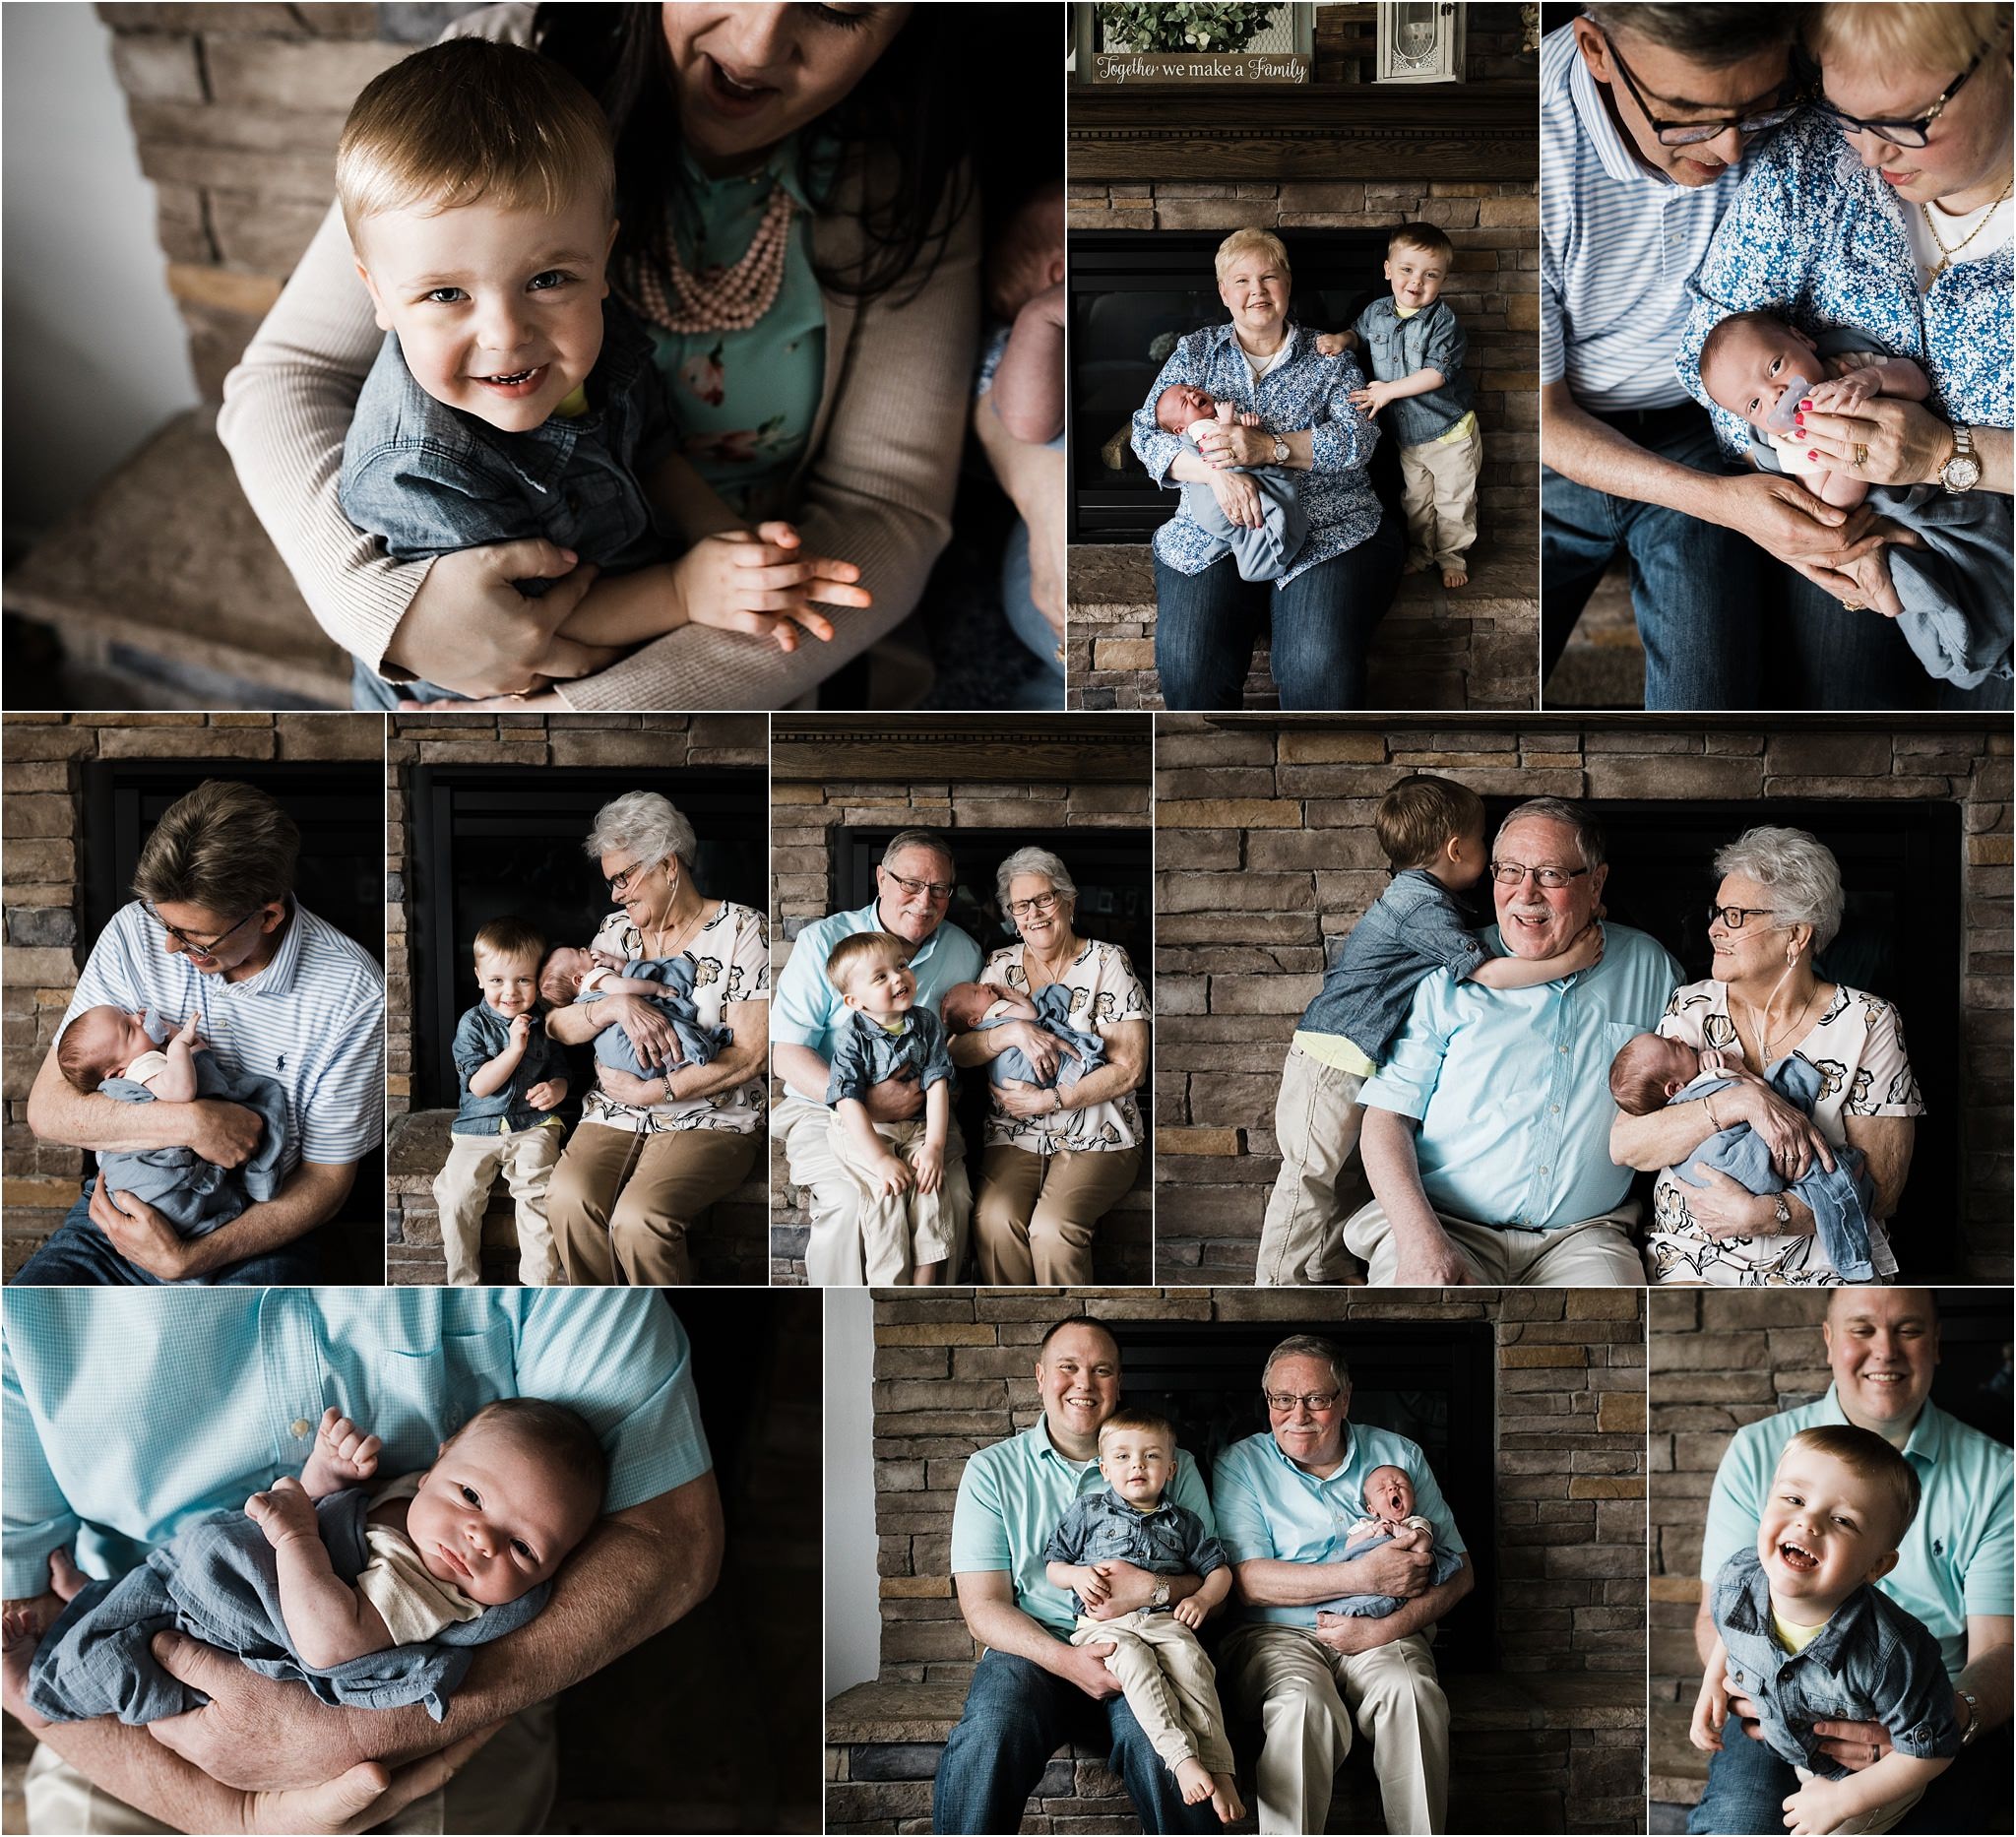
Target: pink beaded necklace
719 298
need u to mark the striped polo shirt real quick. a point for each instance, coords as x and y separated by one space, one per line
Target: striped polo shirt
313 1021
1618 244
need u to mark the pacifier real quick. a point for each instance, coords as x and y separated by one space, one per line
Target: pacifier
1782 419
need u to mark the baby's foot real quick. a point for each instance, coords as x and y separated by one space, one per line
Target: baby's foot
1225 1799
1455 575
21 1633
1194 1778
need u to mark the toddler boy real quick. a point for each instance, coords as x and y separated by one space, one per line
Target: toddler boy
1414 348
906 1234
569 975
1804 1635
1261 554
513 1077
1390 1518
1168 1682
1432 831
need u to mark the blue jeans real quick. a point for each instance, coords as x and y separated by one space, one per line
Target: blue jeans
78 1255
368 689
1748 1783
1207 624
1016 1716
1027 624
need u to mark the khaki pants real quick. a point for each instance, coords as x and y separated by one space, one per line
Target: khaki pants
622 1202
833 1257
1169 1685
1317 1121
507 1785
1597 1253
1438 496
1035 1215
461 1195
899 1230
1306 1698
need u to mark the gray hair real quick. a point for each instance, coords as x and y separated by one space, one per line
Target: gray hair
919 838
1800 871
1713 35
1588 832
1308 1346
648 822
1034 861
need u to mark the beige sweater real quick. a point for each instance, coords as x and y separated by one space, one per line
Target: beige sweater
874 487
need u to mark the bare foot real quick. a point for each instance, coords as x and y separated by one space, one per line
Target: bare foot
1195 1779
1225 1799
1455 577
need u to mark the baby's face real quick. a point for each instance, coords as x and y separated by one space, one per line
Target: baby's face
1750 368
1389 1493
1823 1530
509 985
1137 1465
966 1004
495 1516
499 312
1415 276
1179 404
883 986
1677 1064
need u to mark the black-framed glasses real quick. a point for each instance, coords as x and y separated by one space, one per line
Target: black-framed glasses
1734 917
938 889
1693 133
1313 1401
1041 906
1910 132
1511 873
618 883
199 947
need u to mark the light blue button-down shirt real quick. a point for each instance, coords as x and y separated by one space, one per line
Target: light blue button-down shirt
806 1009
1955 1558
1269 1508
1511 1086
127 1413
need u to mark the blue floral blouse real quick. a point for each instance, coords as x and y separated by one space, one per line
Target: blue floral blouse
1815 234
1304 390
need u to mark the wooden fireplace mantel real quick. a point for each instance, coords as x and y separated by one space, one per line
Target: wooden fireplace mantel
1202 132
1049 750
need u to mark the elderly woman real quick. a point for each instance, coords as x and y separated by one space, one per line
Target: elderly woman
1778 905
651 1154
1055 1160
1341 580
1887 210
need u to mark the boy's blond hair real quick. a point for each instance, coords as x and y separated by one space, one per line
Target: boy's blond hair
1140 1422
855 953
512 938
1867 1456
1422 237
1416 819
471 119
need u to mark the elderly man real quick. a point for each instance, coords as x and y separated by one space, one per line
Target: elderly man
1034 1690
1284 1502
914 887
1953 1570
216 932
1486 1132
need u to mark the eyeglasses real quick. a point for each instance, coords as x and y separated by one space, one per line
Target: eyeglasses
1512 874
936 889
1313 1401
1693 133
1731 918
199 947
1910 132
1042 905
618 883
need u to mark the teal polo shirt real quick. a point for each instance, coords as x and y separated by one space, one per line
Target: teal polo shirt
1268 1508
1013 1496
1955 1560
806 1009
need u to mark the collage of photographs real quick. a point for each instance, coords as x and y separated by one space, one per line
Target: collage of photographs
1278 705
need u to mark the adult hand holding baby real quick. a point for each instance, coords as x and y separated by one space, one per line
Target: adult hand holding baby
1726 1208
649 1033
1235 444
362 1797
1391 1569
470 629
1351 1634
1787 521
142 1235
1238 497
1906 444
1022 1099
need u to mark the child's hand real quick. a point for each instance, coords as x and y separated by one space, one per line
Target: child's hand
344 1455
1585 953
284 1512
1711 1710
548 1094
929 1167
1817 1807
755 580
890 1174
1333 344
1188 1612
1370 399
1093 1587
521 1030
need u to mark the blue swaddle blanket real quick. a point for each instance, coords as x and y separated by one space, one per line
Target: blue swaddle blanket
217 1581
1265 553
1839 1201
697 1044
1053 1016
1377 1607
194 1195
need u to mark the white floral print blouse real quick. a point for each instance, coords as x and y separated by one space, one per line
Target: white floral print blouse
1104 990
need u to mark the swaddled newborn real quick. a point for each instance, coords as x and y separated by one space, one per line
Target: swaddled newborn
109 1052
1390 1518
570 975
1262 555
372 1597
976 1007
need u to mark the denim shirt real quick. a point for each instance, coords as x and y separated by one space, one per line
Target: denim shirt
1414 927
866 1052
482 1034
1395 347
1873 1662
1101 1527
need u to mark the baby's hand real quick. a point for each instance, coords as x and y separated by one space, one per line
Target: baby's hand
890 1174
284 1512
609 960
1093 1588
1841 393
1332 343
1249 420
1370 399
188 1035
1712 1062
1188 1612
344 1455
1817 1807
930 1170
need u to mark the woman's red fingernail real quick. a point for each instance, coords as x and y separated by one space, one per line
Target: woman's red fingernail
1810 454
1807 404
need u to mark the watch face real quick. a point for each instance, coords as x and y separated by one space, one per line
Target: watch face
1961 472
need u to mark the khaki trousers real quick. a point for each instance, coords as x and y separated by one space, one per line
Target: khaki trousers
1316 1118
506 1786
1438 496
1035 1215
834 1253
622 1202
1169 1685
1597 1253
1306 1697
461 1195
899 1230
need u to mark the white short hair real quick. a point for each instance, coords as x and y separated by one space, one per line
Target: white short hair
1034 861
1797 869
644 822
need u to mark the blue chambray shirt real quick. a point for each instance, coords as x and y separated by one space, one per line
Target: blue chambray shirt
127 1413
479 1035
1269 1508
1870 1662
1414 926
866 1052
1430 339
1101 1527
1304 390
1819 237
1511 1086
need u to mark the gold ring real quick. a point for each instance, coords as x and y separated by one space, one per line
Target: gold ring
1861 456
1845 607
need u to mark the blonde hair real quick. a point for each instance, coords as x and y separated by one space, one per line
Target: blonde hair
1937 38
1422 237
855 953
511 938
1419 815
1265 240
471 119
1872 1460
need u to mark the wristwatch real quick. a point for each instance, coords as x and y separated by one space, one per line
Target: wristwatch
1781 1212
1972 1728
1961 472
1281 455
1161 1598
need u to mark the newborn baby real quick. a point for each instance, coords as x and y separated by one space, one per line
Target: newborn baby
973 1007
570 975
371 1599
1390 1518
1262 555
108 1052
